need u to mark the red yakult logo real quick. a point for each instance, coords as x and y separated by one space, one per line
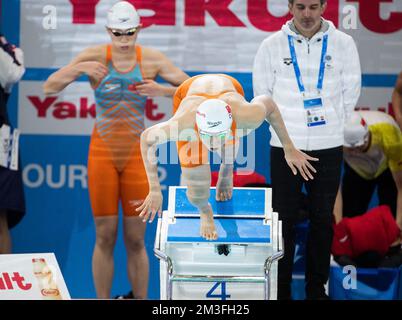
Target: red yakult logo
195 12
62 109
14 282
51 107
84 12
151 111
369 14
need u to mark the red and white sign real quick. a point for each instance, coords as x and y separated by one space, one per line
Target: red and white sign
201 35
72 112
31 277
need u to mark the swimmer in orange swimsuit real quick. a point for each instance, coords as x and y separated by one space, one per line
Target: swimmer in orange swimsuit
121 75
211 114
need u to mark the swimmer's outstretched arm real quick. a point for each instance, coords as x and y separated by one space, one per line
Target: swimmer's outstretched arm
150 139
251 116
160 133
87 62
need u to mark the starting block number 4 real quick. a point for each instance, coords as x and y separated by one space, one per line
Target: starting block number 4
222 295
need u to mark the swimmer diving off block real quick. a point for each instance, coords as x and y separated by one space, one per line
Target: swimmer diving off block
211 113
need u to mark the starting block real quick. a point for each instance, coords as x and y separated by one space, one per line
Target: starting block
241 264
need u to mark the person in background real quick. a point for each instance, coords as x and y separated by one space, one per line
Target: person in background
122 75
312 72
12 199
372 159
397 100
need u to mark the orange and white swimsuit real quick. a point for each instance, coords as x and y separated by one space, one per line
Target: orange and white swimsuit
195 153
115 167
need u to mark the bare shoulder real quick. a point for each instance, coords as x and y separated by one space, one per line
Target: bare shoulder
233 99
152 53
188 106
237 103
181 127
153 61
250 115
95 53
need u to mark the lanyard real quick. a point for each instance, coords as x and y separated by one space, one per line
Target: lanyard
296 64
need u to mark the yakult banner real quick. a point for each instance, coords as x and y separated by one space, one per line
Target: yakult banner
199 36
31 277
72 112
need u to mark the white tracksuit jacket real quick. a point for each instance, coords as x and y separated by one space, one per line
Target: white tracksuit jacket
274 76
10 73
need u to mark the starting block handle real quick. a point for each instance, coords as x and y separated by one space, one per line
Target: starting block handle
210 278
267 268
169 271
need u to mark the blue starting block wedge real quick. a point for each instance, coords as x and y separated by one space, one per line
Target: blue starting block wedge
240 264
246 202
234 230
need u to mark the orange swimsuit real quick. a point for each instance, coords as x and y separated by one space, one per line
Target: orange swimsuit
115 167
195 153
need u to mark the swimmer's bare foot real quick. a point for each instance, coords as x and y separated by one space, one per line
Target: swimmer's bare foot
224 186
207 226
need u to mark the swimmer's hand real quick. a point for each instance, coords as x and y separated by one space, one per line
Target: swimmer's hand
95 70
150 88
299 161
151 206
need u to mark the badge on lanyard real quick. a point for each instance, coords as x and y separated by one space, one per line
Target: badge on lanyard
315 112
313 104
9 147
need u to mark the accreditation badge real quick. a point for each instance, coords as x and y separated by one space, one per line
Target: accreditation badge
314 111
9 142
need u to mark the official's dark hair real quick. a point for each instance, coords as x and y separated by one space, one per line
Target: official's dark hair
322 1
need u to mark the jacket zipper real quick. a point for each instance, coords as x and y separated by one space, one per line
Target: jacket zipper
308 56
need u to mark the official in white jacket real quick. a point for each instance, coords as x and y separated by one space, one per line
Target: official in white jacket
312 71
12 201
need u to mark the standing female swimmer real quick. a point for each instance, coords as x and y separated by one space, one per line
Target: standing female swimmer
121 74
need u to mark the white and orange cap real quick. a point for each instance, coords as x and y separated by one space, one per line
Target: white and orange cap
356 131
122 16
214 117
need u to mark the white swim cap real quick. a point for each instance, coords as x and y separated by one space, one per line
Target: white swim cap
214 117
356 131
123 16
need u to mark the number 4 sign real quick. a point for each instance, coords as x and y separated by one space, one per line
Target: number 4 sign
223 294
